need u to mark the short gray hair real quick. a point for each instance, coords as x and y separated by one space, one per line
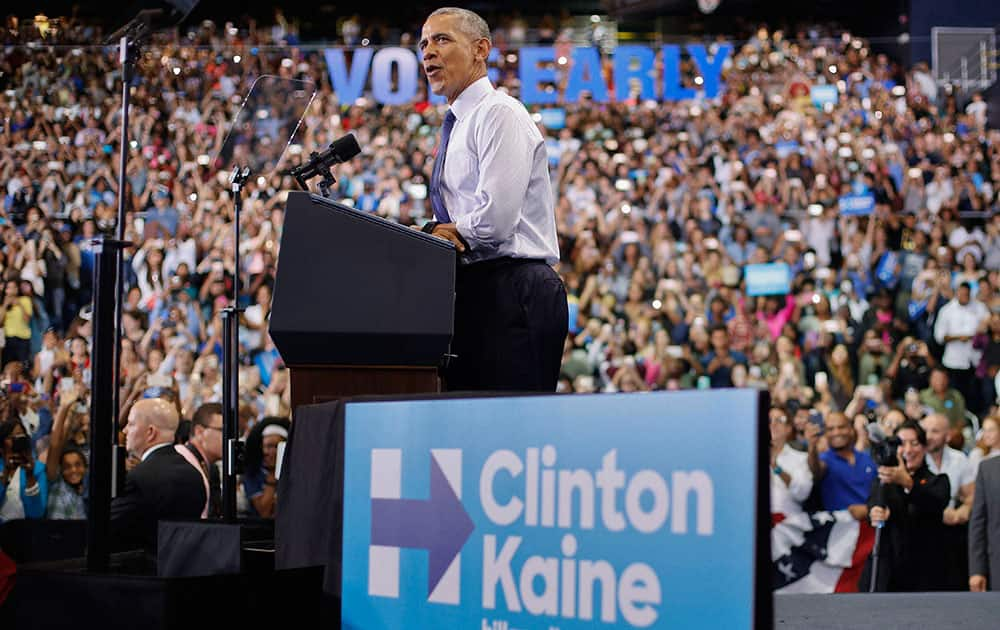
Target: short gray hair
469 22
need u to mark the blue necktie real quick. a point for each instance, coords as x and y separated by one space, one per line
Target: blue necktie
437 201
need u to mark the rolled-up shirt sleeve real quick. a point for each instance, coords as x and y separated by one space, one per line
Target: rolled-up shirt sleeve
505 153
801 479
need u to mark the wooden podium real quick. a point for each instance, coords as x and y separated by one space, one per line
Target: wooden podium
361 306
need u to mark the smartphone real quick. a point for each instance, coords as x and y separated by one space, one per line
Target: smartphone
279 459
816 418
21 444
675 351
153 392
16 388
66 384
159 380
821 379
418 191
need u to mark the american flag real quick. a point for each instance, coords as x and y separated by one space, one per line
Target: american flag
819 552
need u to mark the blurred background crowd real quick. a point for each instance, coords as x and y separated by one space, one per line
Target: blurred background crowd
889 316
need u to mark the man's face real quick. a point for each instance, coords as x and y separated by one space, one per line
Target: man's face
136 434
964 295
211 438
839 433
451 58
720 340
939 381
73 468
911 452
936 428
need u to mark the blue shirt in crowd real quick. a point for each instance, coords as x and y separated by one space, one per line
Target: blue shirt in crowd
844 484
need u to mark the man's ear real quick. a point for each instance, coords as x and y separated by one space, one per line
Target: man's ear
482 49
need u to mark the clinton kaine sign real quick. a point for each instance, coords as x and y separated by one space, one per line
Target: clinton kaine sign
392 73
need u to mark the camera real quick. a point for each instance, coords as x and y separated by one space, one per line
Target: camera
883 447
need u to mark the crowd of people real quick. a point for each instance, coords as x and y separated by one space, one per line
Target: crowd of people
891 318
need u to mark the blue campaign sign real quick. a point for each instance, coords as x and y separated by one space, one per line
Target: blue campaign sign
888 269
768 279
566 512
823 94
553 118
863 204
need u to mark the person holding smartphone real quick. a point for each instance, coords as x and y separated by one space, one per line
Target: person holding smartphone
23 486
844 472
15 312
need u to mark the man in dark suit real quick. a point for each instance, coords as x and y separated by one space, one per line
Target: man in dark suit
164 485
984 529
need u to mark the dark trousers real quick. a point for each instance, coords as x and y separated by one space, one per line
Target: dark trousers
965 382
17 349
511 320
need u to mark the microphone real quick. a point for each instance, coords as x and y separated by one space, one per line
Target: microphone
342 149
339 151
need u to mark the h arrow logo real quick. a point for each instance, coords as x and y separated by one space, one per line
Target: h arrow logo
439 524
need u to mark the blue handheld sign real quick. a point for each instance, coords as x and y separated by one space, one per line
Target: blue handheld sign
768 279
859 205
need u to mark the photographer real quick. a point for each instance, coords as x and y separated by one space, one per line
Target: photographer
23 487
910 368
909 501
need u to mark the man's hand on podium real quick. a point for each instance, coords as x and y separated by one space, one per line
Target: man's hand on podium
448 232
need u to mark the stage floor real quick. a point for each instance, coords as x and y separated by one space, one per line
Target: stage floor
886 611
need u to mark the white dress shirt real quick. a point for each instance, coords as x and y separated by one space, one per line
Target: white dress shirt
149 451
955 464
959 321
788 499
495 183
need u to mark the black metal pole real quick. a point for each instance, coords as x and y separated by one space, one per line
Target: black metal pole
103 414
230 365
229 418
877 547
128 56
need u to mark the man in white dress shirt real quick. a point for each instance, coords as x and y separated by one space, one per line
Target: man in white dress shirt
492 199
941 459
956 324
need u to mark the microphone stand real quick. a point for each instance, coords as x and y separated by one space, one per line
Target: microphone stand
107 477
876 548
232 459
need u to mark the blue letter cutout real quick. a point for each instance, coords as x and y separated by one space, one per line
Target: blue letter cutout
672 90
406 85
585 74
491 70
624 74
711 71
532 75
348 87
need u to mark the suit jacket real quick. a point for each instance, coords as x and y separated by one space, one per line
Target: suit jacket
984 524
164 486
